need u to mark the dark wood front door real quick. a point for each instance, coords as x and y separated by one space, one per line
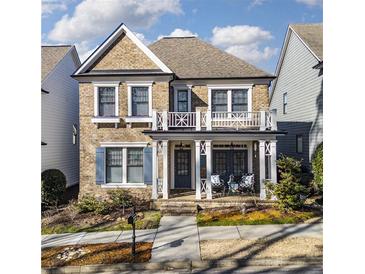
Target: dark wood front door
227 162
182 169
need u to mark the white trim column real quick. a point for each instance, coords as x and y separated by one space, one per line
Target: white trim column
273 161
208 155
198 194
165 182
154 170
262 168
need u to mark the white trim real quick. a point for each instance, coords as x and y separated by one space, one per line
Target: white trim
138 119
105 45
124 167
124 144
123 185
105 120
229 94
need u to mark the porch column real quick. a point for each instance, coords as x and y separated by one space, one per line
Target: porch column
273 161
208 154
262 168
198 195
154 170
165 182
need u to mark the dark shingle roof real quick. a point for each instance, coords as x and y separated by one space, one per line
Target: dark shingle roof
51 55
312 35
190 57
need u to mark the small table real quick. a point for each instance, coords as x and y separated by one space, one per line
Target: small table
232 184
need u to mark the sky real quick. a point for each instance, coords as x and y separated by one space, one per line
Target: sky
253 30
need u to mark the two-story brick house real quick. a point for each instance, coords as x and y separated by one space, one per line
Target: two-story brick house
172 113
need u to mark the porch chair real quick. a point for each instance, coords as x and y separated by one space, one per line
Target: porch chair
247 184
218 184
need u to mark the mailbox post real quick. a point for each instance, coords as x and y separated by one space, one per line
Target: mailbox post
132 220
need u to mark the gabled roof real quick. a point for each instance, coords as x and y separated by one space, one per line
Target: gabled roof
121 29
190 57
312 36
51 55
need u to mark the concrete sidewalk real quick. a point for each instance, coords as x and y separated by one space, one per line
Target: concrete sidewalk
176 239
146 235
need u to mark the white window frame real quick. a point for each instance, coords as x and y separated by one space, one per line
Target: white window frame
285 103
176 90
97 118
229 89
124 146
136 119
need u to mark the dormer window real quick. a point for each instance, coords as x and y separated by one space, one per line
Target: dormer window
106 103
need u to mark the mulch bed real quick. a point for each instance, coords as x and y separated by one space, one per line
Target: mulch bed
110 253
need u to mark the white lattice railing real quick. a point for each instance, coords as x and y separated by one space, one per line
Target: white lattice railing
181 119
262 120
236 119
203 186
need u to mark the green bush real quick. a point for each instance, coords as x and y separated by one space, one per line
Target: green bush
53 186
90 204
120 198
288 190
317 169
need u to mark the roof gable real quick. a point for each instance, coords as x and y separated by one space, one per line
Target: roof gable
190 57
51 56
102 57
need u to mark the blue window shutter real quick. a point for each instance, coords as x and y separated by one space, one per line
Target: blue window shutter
100 165
147 165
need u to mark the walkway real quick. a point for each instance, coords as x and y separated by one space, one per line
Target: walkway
176 239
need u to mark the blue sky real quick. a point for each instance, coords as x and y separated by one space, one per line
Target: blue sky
253 30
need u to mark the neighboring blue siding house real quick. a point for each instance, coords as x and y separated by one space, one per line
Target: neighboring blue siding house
60 111
297 93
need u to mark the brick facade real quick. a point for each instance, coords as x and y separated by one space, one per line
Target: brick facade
260 97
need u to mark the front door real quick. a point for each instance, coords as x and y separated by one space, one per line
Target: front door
182 169
227 162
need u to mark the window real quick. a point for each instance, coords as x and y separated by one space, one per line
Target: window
106 101
114 161
285 103
219 100
74 134
239 100
140 101
182 100
299 144
135 165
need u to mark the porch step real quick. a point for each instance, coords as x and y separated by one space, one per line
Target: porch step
178 208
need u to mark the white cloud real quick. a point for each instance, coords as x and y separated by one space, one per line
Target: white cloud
311 3
178 33
84 50
50 6
255 3
141 37
94 18
244 41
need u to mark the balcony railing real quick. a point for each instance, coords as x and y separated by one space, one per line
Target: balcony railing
262 120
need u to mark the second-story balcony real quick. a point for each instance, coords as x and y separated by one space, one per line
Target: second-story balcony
256 120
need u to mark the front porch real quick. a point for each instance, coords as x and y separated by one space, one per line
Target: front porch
187 164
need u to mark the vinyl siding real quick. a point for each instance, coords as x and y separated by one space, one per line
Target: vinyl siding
303 85
60 110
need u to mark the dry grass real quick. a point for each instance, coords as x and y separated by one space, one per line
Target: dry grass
262 248
256 217
111 253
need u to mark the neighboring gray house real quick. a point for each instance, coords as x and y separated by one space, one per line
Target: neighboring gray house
297 92
60 111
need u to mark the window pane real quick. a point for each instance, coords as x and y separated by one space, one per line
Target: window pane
182 95
106 101
238 163
114 165
299 143
140 101
135 165
182 107
219 100
239 100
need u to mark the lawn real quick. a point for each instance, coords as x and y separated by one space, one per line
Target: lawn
92 222
111 253
256 217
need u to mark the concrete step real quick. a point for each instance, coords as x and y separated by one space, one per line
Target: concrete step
173 209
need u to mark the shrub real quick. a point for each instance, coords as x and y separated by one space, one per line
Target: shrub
90 204
289 191
53 186
121 198
317 169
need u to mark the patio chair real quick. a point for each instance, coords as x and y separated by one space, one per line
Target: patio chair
247 184
218 185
